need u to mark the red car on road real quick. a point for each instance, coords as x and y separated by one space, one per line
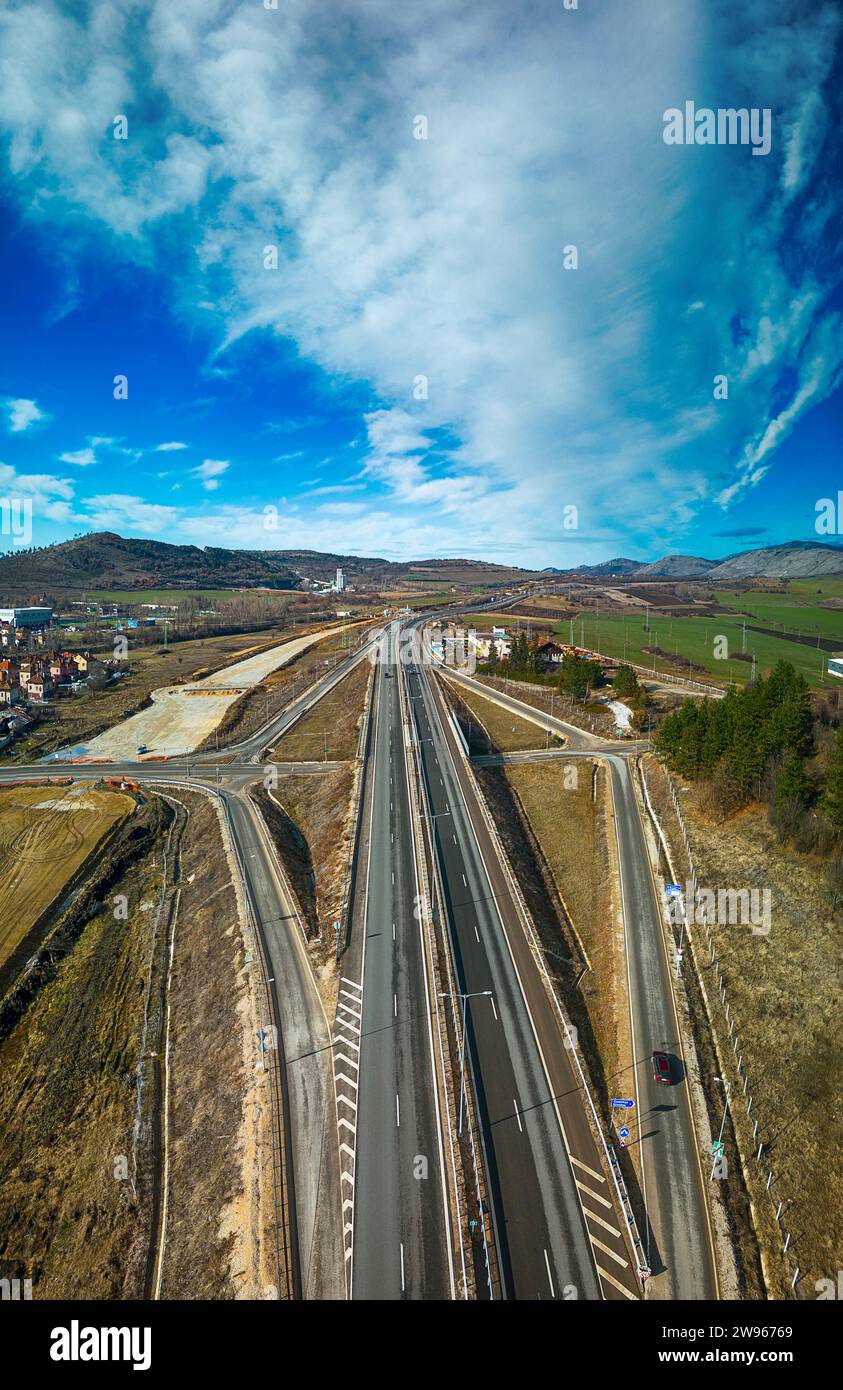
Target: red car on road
661 1067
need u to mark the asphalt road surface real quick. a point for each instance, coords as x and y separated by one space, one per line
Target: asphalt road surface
556 1223
401 1246
679 1236
676 1235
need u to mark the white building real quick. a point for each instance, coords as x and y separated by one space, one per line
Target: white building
835 664
26 617
482 643
340 584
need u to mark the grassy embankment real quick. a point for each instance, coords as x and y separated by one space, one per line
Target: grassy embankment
220 1234
70 1042
333 724
272 695
46 835
786 998
77 1173
491 729
310 817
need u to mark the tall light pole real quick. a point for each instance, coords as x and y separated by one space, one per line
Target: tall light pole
460 994
728 1085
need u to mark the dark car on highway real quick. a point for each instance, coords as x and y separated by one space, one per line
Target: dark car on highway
661 1067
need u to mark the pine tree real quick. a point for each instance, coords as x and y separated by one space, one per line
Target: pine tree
833 795
792 785
626 681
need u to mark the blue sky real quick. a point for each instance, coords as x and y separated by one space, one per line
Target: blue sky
297 387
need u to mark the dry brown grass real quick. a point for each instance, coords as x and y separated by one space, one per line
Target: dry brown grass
331 729
43 843
309 818
573 833
70 1219
786 996
502 732
220 1241
557 842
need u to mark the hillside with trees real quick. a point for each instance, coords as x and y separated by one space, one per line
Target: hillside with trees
753 745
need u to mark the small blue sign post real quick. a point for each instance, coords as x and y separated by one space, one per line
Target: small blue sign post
624 1132
623 1104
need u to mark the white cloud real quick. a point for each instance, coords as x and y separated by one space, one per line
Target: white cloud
83 458
22 414
128 515
210 471
51 497
169 447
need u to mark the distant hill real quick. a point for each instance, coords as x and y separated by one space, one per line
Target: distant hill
618 566
794 560
677 567
105 560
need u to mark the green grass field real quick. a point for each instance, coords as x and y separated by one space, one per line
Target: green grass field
798 611
693 638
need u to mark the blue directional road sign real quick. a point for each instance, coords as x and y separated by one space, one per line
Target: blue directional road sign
622 1104
624 1132
673 890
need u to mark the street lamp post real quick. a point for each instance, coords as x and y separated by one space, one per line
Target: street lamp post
460 994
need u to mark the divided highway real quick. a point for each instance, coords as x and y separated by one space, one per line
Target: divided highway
557 1228
677 1234
401 1246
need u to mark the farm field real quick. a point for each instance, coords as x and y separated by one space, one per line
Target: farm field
46 833
799 611
693 638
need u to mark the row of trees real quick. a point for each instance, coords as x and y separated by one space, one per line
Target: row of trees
755 742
